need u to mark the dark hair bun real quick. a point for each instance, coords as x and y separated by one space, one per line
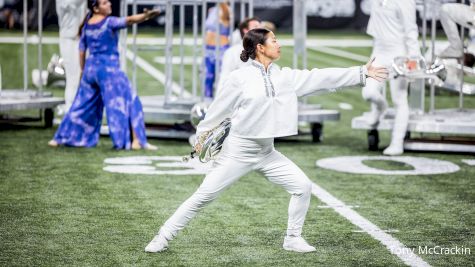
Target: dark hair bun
244 56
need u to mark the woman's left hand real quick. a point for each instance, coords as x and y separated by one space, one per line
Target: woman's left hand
378 73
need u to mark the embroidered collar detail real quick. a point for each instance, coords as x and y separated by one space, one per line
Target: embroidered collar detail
270 91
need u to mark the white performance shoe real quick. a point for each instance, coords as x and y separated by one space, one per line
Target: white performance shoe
159 243
393 150
297 244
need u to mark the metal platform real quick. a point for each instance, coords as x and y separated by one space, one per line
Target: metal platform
19 100
455 129
444 121
171 121
30 99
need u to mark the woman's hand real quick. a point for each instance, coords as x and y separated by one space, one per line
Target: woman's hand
197 148
200 139
150 14
146 15
378 73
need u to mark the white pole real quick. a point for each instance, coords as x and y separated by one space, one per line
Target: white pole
134 47
40 47
25 45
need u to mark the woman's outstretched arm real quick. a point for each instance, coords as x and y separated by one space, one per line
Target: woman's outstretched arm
306 82
146 15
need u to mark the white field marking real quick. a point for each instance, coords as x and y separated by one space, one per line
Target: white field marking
345 106
310 42
324 60
385 231
470 162
155 73
355 164
391 243
177 60
156 165
341 53
331 207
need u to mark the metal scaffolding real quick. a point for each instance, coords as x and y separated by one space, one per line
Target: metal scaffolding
25 98
431 129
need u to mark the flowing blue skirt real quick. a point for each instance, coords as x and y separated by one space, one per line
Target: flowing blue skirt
103 84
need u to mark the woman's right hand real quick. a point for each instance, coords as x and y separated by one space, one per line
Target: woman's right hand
150 14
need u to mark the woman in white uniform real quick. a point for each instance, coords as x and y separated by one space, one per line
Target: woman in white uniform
452 14
70 15
392 25
261 100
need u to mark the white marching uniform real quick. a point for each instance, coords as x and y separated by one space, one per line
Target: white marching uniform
231 62
70 15
392 25
236 37
262 105
451 15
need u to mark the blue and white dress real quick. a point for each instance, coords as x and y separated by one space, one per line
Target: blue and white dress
210 50
103 84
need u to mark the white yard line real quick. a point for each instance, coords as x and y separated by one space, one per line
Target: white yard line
340 53
391 243
177 60
155 73
310 42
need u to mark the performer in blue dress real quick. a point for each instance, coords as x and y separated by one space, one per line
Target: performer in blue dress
104 84
217 15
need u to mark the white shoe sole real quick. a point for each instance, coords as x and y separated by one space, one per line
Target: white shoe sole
299 250
150 250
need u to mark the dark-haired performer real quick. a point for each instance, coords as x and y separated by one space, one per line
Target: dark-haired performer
104 84
261 100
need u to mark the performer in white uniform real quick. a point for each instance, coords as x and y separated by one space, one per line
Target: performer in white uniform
450 16
231 58
70 15
261 100
392 25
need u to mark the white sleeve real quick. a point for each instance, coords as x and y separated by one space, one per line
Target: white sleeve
226 68
223 105
306 82
411 33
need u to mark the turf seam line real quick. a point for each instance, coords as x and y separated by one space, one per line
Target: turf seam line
392 244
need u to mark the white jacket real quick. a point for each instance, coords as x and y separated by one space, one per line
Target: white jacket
394 22
70 15
264 104
231 61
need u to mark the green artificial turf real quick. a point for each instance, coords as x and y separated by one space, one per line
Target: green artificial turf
59 207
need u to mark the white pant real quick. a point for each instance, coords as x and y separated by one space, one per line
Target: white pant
238 157
450 16
384 54
69 48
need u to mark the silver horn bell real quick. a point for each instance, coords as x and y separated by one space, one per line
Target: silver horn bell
56 72
416 68
54 75
211 142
